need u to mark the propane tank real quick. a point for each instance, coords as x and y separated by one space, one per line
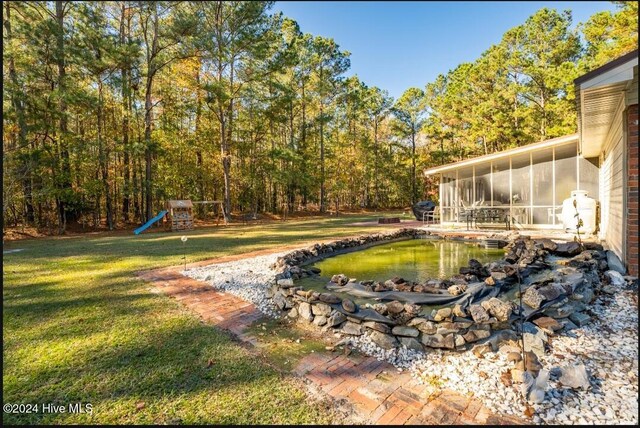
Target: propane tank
586 208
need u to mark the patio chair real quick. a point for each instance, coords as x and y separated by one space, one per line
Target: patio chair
465 213
432 216
554 212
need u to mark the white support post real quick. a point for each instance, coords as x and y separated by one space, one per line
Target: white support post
530 216
553 179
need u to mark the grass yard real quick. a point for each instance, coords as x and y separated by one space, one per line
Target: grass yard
78 326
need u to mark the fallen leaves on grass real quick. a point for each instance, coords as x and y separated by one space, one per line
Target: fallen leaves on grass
528 411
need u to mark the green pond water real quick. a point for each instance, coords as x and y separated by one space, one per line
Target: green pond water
414 260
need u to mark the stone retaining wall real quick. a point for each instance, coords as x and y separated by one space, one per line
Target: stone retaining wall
556 296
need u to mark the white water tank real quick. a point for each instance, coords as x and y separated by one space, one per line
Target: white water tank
586 210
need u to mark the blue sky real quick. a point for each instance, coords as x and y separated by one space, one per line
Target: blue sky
396 45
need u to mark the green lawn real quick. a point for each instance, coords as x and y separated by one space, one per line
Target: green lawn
79 327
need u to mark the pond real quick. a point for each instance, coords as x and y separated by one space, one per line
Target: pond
415 260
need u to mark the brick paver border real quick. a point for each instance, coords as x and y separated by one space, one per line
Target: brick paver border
375 390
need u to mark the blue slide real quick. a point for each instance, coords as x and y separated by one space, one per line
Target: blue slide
149 223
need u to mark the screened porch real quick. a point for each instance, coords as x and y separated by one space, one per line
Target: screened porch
528 184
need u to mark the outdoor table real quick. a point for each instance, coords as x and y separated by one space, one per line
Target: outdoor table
486 214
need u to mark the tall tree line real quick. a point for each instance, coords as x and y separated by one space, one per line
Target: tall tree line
111 108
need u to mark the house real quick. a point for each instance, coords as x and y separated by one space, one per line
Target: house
529 183
607 100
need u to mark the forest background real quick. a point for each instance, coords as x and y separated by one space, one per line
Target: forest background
111 108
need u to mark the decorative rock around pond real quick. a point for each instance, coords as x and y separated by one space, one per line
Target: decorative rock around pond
285 282
459 311
405 331
329 298
336 319
411 343
580 318
382 328
497 308
567 249
340 279
557 290
475 335
614 263
385 341
532 297
348 305
456 290
547 323
438 341
320 309
478 313
442 314
320 320
395 307
428 327
559 312
304 309
352 328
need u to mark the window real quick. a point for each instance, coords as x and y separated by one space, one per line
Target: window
566 172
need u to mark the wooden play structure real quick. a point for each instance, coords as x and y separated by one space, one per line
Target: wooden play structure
179 215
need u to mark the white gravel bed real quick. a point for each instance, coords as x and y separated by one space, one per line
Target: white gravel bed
608 347
249 279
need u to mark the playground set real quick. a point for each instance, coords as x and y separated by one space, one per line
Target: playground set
177 215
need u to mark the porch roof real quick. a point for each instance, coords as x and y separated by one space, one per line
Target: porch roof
573 138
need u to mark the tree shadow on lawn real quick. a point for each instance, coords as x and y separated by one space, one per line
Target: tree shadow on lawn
179 357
